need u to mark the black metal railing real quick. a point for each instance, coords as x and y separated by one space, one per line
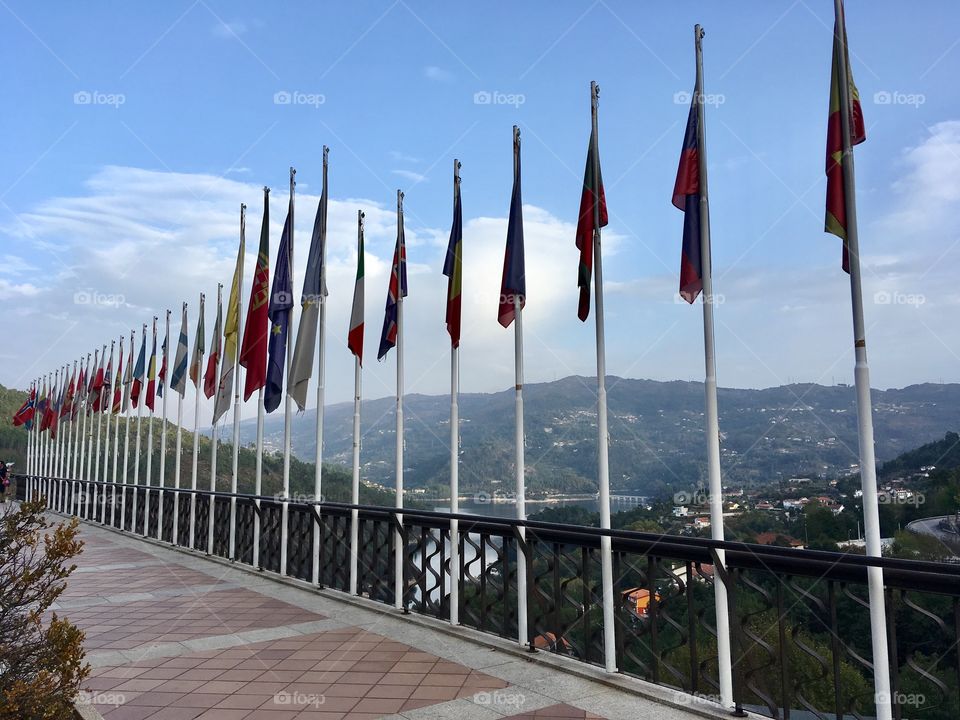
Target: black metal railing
799 619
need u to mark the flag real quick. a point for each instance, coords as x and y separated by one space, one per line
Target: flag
24 416
117 401
128 378
105 398
355 334
42 405
162 375
513 286
198 349
231 335
81 395
66 409
210 376
396 290
178 380
55 407
152 371
92 384
836 214
686 197
96 387
314 293
253 350
453 268
139 368
592 190
281 304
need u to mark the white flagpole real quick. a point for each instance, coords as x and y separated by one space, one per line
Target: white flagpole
868 468
105 403
603 467
163 426
321 374
196 433
118 383
91 459
84 461
96 461
59 456
76 420
398 547
258 472
126 440
236 392
149 475
287 401
355 483
455 450
174 538
520 469
710 389
214 431
136 452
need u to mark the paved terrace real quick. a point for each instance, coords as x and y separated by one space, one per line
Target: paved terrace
173 635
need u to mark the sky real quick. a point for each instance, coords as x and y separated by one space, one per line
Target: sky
133 132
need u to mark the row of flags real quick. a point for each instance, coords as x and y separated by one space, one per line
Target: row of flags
262 349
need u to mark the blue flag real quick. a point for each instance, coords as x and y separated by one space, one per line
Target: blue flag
396 290
281 304
514 283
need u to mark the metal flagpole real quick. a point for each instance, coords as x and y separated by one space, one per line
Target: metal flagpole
355 483
258 472
603 468
455 449
136 452
118 385
868 468
398 547
75 420
74 501
96 461
198 342
105 403
710 389
175 536
321 371
236 392
126 438
214 430
149 365
520 469
163 383
88 475
287 401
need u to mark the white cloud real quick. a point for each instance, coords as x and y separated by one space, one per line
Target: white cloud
410 175
437 74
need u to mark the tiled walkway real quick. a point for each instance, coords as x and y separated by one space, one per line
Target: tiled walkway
176 636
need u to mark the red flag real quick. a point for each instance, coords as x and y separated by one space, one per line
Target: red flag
253 349
592 189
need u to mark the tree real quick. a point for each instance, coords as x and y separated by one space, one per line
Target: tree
41 659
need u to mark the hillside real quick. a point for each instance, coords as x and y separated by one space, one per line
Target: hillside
656 431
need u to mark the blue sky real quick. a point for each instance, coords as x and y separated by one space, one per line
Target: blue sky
134 194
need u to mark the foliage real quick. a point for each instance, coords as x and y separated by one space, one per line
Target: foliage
41 659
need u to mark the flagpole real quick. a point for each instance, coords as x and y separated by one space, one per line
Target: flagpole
868 469
287 407
258 472
96 461
84 461
75 420
198 349
118 383
214 434
603 468
355 482
398 548
236 390
175 535
136 453
106 449
163 426
126 437
321 371
455 448
149 365
710 390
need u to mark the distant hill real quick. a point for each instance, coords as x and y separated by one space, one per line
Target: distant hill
943 454
656 430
